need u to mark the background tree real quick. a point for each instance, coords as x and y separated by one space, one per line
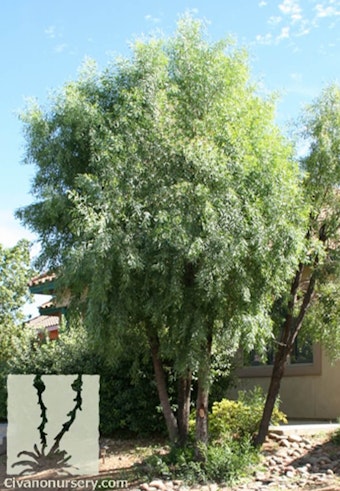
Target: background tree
15 272
166 192
312 298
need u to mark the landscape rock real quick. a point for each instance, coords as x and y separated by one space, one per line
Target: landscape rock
284 443
294 438
158 484
291 462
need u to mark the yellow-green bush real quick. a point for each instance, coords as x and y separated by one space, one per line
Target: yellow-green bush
242 417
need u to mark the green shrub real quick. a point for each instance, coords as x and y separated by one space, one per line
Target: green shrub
224 462
336 437
128 402
230 460
156 465
242 417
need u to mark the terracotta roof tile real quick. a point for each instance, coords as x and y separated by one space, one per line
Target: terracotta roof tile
43 321
42 278
47 305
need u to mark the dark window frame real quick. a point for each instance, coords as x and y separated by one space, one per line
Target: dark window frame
292 369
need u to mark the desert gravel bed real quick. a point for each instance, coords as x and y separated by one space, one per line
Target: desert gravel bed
288 462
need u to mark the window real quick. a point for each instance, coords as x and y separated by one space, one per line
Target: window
305 359
302 352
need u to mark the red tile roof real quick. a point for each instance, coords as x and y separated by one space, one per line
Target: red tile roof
42 278
47 305
44 322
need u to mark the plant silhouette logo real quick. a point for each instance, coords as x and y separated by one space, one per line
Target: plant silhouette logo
53 424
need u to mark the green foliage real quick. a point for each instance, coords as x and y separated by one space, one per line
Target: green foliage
230 460
241 418
321 166
15 272
129 404
164 189
309 307
321 130
335 437
128 399
225 462
160 182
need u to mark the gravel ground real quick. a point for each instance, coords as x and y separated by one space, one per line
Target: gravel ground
310 462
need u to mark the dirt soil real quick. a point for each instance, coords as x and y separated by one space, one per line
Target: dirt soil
120 459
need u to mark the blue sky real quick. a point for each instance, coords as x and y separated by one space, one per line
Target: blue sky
293 46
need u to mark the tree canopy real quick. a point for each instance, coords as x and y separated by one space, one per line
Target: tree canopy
310 306
321 128
165 190
15 273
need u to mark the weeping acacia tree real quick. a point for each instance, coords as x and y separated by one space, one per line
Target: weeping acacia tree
310 306
165 191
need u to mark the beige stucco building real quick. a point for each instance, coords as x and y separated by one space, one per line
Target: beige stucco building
308 390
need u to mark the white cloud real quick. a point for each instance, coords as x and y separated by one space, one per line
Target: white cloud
323 10
284 34
291 21
151 18
60 48
56 34
262 3
50 32
304 27
292 9
274 20
264 39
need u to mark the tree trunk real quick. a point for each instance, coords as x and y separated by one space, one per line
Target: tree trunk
203 387
290 330
184 390
201 419
279 361
273 392
170 420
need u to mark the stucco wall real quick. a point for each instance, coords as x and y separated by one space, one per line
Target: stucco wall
305 396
